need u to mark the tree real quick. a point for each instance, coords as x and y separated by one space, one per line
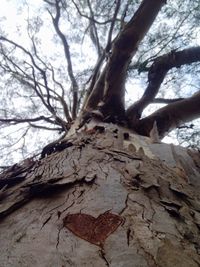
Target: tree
103 187
57 86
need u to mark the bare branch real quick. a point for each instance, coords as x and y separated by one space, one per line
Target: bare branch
93 31
49 2
124 13
61 98
35 85
165 100
45 128
166 43
68 58
90 18
95 91
21 120
43 73
109 39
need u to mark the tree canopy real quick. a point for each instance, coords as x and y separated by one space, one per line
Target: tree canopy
134 63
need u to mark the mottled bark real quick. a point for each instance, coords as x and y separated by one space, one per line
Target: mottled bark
110 198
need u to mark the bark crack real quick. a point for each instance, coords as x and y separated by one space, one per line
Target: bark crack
46 221
102 170
60 205
149 258
103 256
128 235
126 205
58 237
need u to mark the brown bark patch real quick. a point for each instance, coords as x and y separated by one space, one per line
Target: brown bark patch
91 229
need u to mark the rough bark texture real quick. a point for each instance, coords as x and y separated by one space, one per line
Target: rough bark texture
109 198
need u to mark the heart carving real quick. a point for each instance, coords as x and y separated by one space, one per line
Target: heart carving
91 229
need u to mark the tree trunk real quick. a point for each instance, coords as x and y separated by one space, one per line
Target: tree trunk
103 197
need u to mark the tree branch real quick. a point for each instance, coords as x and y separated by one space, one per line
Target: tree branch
171 116
36 86
156 75
109 39
165 100
90 18
42 72
123 49
61 98
96 89
93 31
45 127
21 120
68 58
141 66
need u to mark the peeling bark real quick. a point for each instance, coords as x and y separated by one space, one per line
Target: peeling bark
112 198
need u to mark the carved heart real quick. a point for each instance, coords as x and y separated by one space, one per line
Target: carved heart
93 230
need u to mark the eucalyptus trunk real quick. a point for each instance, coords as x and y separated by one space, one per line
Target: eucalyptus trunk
104 197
